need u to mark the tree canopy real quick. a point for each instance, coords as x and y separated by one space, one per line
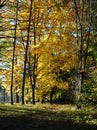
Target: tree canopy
48 50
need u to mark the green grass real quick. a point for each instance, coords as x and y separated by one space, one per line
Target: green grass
47 117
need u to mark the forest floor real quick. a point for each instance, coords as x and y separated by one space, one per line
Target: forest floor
47 117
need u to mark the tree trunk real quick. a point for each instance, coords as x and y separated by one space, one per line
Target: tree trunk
4 94
13 56
78 83
79 38
35 58
17 97
33 95
83 52
26 52
52 93
32 79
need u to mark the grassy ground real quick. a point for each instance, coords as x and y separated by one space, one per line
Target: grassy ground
47 117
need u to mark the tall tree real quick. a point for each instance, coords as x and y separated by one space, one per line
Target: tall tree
13 56
83 18
26 51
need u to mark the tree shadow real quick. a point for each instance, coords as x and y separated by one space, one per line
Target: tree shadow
41 121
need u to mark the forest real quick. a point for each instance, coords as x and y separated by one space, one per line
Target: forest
48 51
48 65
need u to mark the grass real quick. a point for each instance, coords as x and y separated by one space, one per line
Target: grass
47 117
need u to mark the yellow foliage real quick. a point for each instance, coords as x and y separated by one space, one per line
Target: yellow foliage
51 40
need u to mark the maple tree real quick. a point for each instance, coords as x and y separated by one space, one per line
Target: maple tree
45 46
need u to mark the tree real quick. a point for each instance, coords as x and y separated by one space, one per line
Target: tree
26 51
50 44
13 56
84 17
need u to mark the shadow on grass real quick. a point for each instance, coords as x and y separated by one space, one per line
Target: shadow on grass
40 121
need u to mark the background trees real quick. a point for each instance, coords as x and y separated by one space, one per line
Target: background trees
47 48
